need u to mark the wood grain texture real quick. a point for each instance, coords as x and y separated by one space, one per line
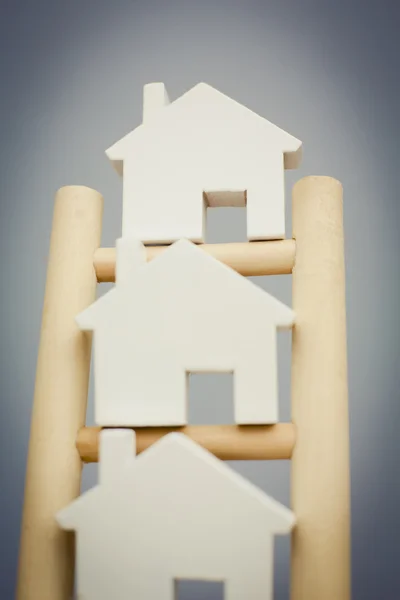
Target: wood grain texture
227 442
247 258
320 461
46 565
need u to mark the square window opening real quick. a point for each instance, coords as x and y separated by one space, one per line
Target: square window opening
210 398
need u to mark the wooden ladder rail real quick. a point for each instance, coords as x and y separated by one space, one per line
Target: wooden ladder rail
317 439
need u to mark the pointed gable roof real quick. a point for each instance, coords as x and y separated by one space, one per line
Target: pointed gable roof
203 99
203 96
180 263
186 455
167 449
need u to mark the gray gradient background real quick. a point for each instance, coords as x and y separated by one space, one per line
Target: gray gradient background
71 78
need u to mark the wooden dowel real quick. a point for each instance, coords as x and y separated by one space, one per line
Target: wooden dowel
320 462
227 442
248 259
46 565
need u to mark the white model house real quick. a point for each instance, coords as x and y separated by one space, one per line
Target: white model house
174 512
202 150
183 312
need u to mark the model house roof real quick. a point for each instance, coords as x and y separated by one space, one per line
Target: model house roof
208 107
181 265
176 451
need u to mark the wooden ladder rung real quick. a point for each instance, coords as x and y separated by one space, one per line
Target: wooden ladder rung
247 258
227 442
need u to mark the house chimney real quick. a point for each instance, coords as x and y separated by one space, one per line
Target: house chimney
117 450
131 255
155 98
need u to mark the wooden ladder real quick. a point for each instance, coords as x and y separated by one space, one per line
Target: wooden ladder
316 440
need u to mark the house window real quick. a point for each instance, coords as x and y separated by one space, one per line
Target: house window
226 217
210 398
193 589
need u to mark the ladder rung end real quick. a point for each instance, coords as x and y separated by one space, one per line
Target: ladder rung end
247 258
226 442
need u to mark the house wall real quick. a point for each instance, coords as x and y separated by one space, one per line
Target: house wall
197 157
108 564
141 363
179 518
